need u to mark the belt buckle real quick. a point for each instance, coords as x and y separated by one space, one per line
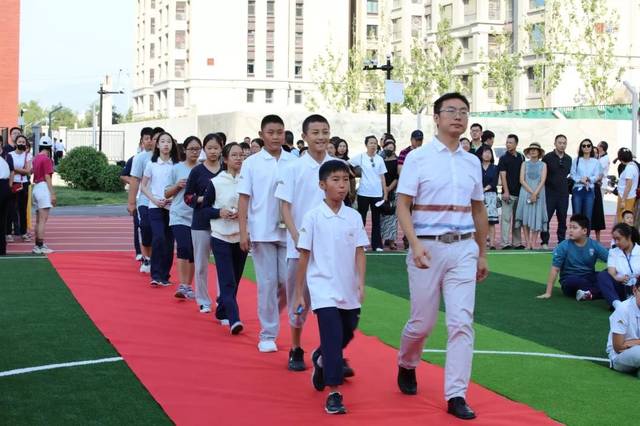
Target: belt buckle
449 238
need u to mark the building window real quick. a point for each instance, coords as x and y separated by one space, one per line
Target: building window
179 68
178 101
493 45
268 96
153 4
250 95
372 32
427 22
152 25
250 68
152 50
466 48
416 26
299 38
469 10
251 37
447 13
181 11
396 29
152 75
536 37
297 97
491 88
299 8
252 11
269 67
494 9
397 4
181 39
270 7
298 69
536 4
372 54
372 6
531 77
152 105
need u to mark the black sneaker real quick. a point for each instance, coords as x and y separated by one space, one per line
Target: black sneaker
459 408
296 360
507 247
334 404
317 377
520 247
347 371
407 381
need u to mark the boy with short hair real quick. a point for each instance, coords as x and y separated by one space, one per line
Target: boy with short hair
298 191
44 197
260 228
628 218
623 344
331 243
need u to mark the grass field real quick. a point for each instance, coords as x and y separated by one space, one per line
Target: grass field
77 197
51 327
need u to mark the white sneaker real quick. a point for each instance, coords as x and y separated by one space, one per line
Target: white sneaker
9 238
583 295
36 250
545 247
45 250
224 322
139 257
267 346
205 309
145 268
379 249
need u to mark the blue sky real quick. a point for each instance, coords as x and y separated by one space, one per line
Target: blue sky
67 46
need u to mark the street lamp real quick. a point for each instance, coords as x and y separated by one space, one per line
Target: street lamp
634 115
373 66
103 92
53 111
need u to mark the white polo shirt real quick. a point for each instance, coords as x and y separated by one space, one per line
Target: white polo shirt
332 238
19 161
629 172
626 321
625 265
180 213
258 178
372 169
138 165
433 175
160 176
299 185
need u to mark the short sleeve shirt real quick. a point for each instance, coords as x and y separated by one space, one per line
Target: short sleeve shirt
625 320
6 167
159 174
511 164
434 175
138 166
630 172
372 169
625 265
332 238
573 260
19 161
42 166
403 155
180 213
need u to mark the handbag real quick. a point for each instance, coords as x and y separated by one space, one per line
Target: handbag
16 187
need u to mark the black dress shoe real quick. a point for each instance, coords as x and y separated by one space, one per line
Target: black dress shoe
507 247
407 381
459 408
347 371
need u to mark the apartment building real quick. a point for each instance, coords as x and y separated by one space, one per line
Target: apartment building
197 57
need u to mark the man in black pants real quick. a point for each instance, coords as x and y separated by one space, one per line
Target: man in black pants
557 188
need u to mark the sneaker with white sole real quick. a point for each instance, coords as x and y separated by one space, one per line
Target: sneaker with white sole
224 322
191 295
267 346
583 295
45 250
36 250
205 309
236 328
9 238
545 247
145 268
26 238
165 283
181 293
334 404
139 257
155 283
379 250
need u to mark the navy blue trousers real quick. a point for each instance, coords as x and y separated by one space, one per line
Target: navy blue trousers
572 283
136 234
184 245
611 289
558 204
161 244
230 260
336 331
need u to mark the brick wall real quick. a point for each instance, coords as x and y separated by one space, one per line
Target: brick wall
9 61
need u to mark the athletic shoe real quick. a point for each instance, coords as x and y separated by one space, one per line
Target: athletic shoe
181 293
582 295
459 408
224 322
507 247
36 250
26 238
190 294
145 268
520 247
334 404
379 249
205 309
236 328
139 257
45 250
317 376
165 283
267 346
347 371
9 238
155 283
545 247
296 360
407 381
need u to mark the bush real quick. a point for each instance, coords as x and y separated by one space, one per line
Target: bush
82 167
110 179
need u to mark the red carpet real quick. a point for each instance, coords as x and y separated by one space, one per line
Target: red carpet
200 374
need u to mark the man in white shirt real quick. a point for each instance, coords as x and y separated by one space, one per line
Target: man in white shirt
623 344
261 228
299 191
442 184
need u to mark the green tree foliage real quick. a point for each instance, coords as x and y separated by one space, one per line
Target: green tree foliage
444 55
83 167
502 68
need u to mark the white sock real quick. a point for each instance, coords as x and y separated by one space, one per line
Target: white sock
616 304
320 361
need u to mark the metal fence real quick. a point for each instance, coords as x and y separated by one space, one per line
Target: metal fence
112 142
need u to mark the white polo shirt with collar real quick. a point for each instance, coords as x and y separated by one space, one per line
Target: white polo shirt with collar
258 178
160 176
624 320
298 184
625 265
372 169
332 239
434 175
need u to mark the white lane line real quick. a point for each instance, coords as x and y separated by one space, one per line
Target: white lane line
539 354
497 253
54 366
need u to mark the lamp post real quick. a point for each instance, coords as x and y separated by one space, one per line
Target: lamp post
103 92
53 111
373 66
634 115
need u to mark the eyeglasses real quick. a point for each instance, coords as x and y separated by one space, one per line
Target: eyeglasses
586 146
453 112
194 149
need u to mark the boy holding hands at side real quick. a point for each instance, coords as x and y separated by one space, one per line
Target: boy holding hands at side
331 242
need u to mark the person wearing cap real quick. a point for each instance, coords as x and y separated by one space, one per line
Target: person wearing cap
531 212
44 197
416 142
447 230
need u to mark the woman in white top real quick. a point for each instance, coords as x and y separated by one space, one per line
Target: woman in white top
585 171
627 183
222 195
22 167
623 265
157 176
372 189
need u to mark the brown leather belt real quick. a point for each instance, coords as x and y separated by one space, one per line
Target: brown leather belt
441 208
447 238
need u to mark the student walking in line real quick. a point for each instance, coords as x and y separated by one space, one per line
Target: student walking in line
125 177
222 195
584 172
157 176
197 183
181 216
333 264
6 181
22 163
299 191
531 213
261 228
44 197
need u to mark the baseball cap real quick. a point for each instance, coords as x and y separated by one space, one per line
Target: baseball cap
417 135
45 141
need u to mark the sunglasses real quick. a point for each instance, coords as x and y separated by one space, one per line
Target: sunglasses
372 162
587 146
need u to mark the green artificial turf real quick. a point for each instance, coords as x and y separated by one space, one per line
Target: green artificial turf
66 196
43 324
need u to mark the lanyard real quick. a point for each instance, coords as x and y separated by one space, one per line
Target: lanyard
629 258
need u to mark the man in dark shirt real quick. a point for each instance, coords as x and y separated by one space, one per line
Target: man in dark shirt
487 143
509 168
416 142
557 188
476 137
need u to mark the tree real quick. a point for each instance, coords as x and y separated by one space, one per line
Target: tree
502 68
116 117
34 113
417 77
443 56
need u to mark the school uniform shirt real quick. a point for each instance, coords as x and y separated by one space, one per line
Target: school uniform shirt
197 184
625 265
372 169
126 170
258 179
222 193
42 166
180 213
298 184
19 161
585 168
625 320
630 172
159 174
138 166
332 238
573 260
6 167
434 175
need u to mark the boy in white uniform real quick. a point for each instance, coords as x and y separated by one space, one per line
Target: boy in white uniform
299 192
623 345
260 229
332 240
